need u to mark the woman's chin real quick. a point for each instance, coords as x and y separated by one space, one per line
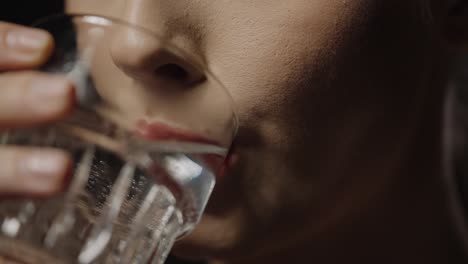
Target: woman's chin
213 238
193 248
188 253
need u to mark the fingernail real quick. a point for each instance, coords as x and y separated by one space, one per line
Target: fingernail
48 94
27 39
43 171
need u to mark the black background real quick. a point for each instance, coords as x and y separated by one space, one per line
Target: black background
25 12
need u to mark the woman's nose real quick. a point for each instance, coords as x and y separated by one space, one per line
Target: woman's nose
148 58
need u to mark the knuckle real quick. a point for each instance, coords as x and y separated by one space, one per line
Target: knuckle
5 28
9 158
25 100
14 89
15 156
17 81
23 47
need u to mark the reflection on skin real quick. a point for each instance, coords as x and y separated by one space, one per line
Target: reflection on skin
339 104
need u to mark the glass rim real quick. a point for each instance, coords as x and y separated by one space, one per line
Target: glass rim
105 21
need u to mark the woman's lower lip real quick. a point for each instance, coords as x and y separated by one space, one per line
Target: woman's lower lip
160 131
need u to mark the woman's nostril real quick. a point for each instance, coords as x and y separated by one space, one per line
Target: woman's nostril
172 71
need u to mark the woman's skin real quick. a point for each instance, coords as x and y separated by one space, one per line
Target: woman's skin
338 156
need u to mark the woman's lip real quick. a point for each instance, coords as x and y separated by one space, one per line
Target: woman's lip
161 131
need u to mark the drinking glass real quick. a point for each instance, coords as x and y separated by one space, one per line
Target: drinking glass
148 136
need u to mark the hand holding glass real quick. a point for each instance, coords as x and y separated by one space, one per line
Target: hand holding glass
150 131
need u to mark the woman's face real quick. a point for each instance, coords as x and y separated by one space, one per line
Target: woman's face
325 91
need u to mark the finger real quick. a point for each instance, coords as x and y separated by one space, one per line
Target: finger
22 47
31 98
32 171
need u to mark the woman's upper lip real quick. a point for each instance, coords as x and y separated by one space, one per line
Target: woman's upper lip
161 131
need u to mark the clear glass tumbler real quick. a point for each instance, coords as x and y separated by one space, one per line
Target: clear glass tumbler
148 135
